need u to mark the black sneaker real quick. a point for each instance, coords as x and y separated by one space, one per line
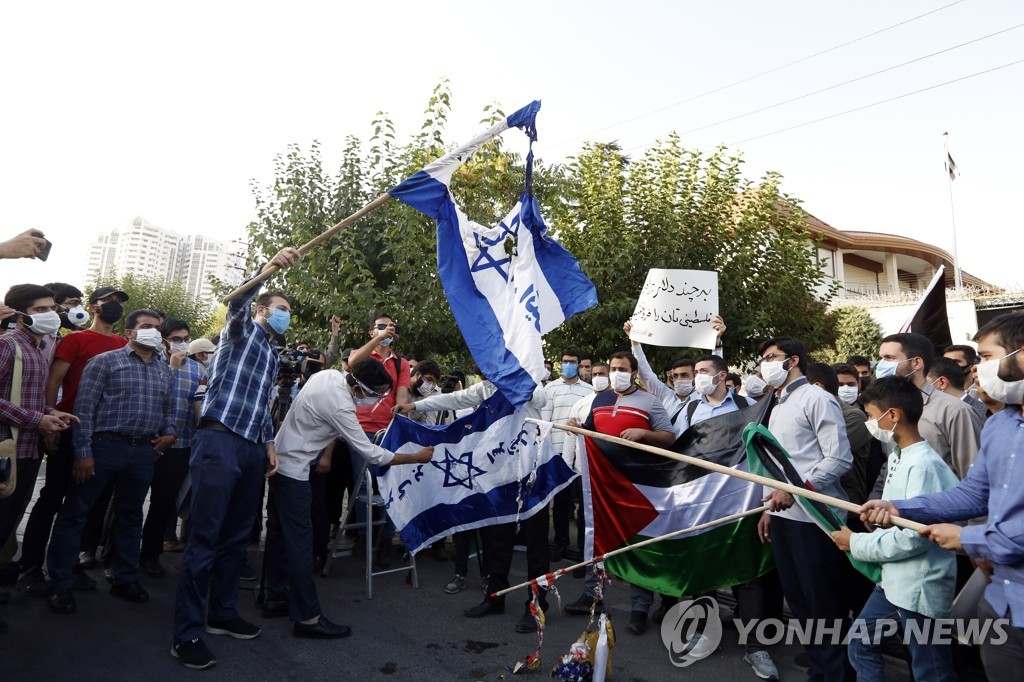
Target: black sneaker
27 579
236 627
637 622
132 592
61 602
193 654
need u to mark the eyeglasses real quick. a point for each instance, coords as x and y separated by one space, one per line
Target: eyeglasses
771 357
370 392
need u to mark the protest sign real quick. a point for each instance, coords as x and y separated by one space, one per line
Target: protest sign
677 308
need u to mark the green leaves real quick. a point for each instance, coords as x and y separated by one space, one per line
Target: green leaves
172 299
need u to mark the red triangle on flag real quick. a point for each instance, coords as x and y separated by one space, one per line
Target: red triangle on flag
620 510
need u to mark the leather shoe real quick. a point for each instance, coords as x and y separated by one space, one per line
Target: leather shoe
132 592
322 629
274 608
62 602
528 623
581 607
153 568
485 608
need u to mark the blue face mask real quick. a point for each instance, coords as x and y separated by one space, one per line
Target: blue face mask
570 369
280 320
887 368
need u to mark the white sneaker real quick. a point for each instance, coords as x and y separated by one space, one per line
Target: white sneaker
762 665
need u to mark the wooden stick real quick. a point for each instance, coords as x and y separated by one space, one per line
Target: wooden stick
269 270
629 548
745 475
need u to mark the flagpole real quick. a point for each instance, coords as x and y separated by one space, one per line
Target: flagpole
551 577
952 216
269 270
735 473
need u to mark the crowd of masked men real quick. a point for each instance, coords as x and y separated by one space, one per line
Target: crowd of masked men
212 431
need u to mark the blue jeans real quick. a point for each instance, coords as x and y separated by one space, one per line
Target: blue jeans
130 469
227 477
290 547
931 662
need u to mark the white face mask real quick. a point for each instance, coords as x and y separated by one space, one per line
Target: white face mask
179 347
885 436
148 337
426 388
44 324
848 394
705 384
1009 392
546 375
621 381
774 373
78 316
682 387
600 383
755 385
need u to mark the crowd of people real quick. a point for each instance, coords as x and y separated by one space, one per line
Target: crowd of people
204 427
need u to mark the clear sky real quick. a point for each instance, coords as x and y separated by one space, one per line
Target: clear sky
117 109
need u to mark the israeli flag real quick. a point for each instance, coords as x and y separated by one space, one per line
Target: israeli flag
489 467
504 301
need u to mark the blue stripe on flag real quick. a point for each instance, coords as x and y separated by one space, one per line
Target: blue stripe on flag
562 271
422 192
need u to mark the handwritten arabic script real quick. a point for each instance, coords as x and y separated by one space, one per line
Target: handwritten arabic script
676 308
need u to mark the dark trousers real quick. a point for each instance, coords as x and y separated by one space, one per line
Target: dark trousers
499 542
169 473
51 497
1002 661
463 539
290 547
98 524
227 476
750 609
811 570
328 499
130 469
12 507
563 508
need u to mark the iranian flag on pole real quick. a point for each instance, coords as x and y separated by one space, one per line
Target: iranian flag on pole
631 495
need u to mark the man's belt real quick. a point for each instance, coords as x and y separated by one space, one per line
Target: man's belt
131 440
212 424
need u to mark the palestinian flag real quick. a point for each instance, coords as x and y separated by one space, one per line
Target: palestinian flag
631 496
766 457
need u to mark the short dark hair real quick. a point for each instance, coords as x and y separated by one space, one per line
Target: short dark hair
970 355
597 363
789 346
427 367
719 363
302 343
377 316
62 291
845 368
1009 327
948 368
173 324
266 297
895 392
133 316
683 362
371 373
22 296
914 346
858 360
624 355
587 356
734 378
571 353
820 373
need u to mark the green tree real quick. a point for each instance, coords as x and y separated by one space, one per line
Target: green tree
856 333
170 298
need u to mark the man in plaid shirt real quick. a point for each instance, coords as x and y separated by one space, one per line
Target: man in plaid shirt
126 405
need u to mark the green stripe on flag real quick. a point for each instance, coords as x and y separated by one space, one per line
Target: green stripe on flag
720 557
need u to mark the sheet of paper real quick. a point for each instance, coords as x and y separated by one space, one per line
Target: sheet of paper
676 308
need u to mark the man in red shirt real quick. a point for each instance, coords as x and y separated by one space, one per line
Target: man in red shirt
74 352
376 417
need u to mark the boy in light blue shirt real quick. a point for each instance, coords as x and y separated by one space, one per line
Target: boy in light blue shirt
918 576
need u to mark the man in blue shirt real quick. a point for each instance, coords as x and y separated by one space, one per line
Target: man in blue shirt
994 485
232 451
126 407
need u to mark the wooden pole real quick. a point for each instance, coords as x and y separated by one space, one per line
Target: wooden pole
745 475
269 270
629 548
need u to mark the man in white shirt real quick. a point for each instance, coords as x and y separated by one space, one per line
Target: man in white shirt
323 411
563 393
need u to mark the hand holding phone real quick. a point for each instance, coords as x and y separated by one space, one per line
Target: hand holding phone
28 244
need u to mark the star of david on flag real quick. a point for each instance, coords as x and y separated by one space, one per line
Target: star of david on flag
496 468
503 303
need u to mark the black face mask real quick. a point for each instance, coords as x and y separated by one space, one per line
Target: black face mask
110 312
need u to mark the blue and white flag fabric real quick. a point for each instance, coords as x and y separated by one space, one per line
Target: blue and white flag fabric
489 467
503 302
